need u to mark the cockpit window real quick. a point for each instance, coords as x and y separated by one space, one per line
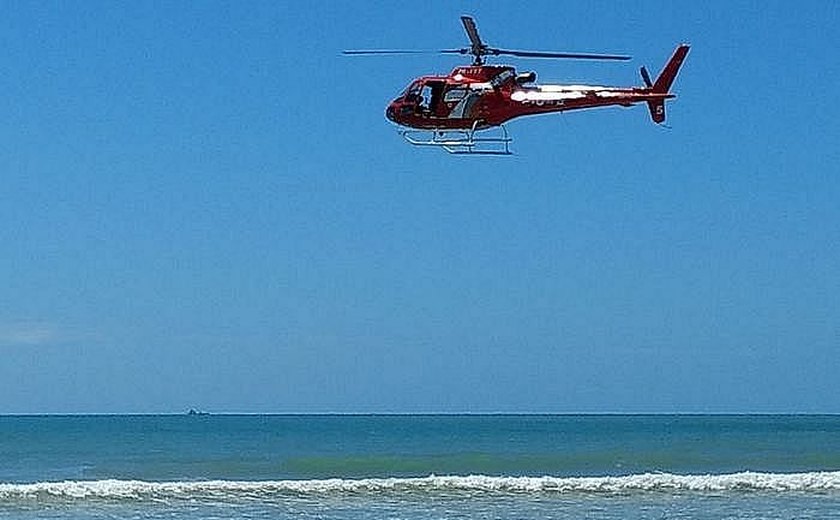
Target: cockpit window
413 89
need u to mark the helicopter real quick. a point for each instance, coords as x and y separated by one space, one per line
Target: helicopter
465 111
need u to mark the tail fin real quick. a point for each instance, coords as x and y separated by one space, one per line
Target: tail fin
666 77
663 83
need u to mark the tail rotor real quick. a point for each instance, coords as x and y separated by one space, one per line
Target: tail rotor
646 77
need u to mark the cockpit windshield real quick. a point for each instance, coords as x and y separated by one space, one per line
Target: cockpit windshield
413 90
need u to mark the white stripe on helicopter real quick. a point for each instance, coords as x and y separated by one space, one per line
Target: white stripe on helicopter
559 93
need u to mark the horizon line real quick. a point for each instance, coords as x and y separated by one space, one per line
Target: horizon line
203 413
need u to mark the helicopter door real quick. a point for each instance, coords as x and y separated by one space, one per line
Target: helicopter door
431 95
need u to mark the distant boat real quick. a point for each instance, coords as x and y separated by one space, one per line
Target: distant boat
193 411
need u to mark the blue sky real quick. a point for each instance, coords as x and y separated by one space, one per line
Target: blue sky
203 206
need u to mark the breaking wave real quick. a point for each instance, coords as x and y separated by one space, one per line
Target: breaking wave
221 489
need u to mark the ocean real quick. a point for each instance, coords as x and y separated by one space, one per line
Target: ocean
413 467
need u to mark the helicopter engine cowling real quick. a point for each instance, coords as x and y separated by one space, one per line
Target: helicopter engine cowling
526 77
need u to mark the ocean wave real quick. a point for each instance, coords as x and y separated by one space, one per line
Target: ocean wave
216 489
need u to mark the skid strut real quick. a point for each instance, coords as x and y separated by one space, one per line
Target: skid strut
462 142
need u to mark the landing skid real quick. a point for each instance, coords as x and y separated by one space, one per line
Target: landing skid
461 142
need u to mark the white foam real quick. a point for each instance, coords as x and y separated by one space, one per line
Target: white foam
648 482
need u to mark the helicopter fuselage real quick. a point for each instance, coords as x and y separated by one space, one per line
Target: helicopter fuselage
484 96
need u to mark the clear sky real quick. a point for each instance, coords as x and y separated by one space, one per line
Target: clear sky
202 205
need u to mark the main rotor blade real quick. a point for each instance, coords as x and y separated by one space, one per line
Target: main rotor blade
402 51
472 32
563 55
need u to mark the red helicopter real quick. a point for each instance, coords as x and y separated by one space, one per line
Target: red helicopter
450 111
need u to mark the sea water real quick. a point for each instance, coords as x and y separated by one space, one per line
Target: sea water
420 467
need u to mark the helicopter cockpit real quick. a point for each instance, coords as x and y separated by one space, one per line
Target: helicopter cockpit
424 95
434 98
